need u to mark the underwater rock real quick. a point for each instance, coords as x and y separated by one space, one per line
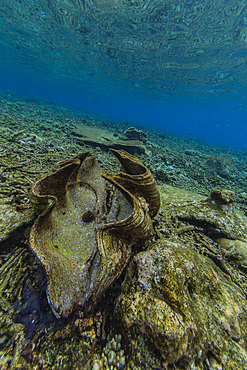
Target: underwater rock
166 176
235 249
222 196
215 214
132 146
11 219
133 134
84 235
97 137
178 309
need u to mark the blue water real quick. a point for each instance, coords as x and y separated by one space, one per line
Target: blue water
177 66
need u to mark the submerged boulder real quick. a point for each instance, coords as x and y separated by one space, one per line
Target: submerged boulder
133 133
178 308
183 301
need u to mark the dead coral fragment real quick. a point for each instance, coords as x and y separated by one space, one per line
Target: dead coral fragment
222 196
82 238
133 134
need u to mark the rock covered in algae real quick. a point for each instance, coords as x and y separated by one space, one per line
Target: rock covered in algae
85 233
236 249
216 214
183 301
178 309
134 134
99 138
11 219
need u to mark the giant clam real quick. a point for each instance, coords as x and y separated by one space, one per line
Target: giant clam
83 236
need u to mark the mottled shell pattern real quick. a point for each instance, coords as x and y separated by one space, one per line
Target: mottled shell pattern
83 236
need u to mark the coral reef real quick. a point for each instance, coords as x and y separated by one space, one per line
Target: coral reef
180 302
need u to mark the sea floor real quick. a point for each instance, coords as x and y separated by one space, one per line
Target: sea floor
34 136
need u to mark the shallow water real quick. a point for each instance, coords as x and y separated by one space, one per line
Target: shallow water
76 76
177 66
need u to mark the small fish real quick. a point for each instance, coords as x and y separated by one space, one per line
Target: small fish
190 133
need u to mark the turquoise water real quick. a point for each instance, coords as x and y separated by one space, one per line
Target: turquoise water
179 66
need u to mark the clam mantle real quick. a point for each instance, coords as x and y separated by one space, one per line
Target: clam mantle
89 221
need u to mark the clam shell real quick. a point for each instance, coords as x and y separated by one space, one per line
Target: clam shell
83 238
136 178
